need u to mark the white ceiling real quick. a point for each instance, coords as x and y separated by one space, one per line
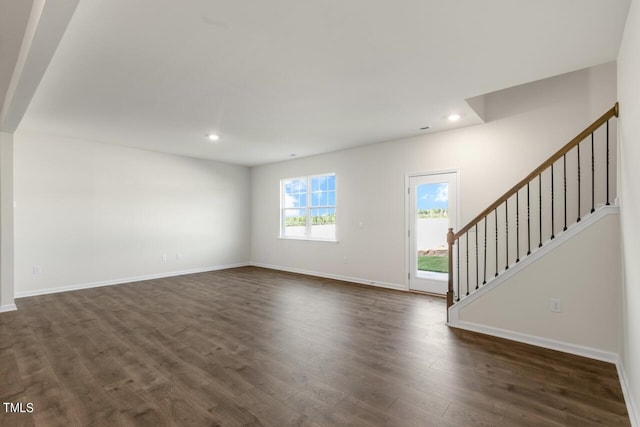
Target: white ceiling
13 20
282 77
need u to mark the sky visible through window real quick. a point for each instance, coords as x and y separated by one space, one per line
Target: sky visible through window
322 195
433 196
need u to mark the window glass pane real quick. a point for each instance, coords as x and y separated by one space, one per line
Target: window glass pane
295 200
295 222
323 223
321 216
331 198
431 228
433 199
323 183
315 184
294 193
319 198
295 186
323 199
331 182
315 198
318 183
289 201
302 200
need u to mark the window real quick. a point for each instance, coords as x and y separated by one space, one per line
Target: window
308 207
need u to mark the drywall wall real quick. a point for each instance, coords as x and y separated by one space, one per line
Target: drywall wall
582 272
90 213
629 96
6 222
526 125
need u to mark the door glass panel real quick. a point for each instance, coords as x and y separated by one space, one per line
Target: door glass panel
432 223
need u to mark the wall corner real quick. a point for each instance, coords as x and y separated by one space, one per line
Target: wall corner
6 223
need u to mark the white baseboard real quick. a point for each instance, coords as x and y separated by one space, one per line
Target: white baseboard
8 307
24 294
634 416
333 276
592 353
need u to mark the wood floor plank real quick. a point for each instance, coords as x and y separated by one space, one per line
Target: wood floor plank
272 412
252 347
323 413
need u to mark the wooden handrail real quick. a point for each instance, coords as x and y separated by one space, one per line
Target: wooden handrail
537 171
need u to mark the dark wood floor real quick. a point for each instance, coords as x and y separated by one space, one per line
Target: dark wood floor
255 347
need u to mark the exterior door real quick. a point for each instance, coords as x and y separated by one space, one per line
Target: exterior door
432 210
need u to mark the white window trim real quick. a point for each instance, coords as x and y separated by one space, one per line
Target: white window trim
308 237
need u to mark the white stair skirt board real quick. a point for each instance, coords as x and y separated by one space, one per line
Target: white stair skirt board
25 294
634 416
8 307
333 276
536 255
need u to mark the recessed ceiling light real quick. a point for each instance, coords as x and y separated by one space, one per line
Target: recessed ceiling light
213 137
454 117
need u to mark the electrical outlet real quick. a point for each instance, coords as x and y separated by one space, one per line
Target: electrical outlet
37 270
555 305
164 257
178 256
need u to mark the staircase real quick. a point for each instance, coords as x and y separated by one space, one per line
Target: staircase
570 186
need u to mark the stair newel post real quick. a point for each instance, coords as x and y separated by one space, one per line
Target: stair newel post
450 242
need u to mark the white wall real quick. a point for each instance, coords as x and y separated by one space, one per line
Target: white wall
526 125
629 95
6 222
90 213
583 272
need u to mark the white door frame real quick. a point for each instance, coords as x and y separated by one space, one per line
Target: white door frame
407 216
